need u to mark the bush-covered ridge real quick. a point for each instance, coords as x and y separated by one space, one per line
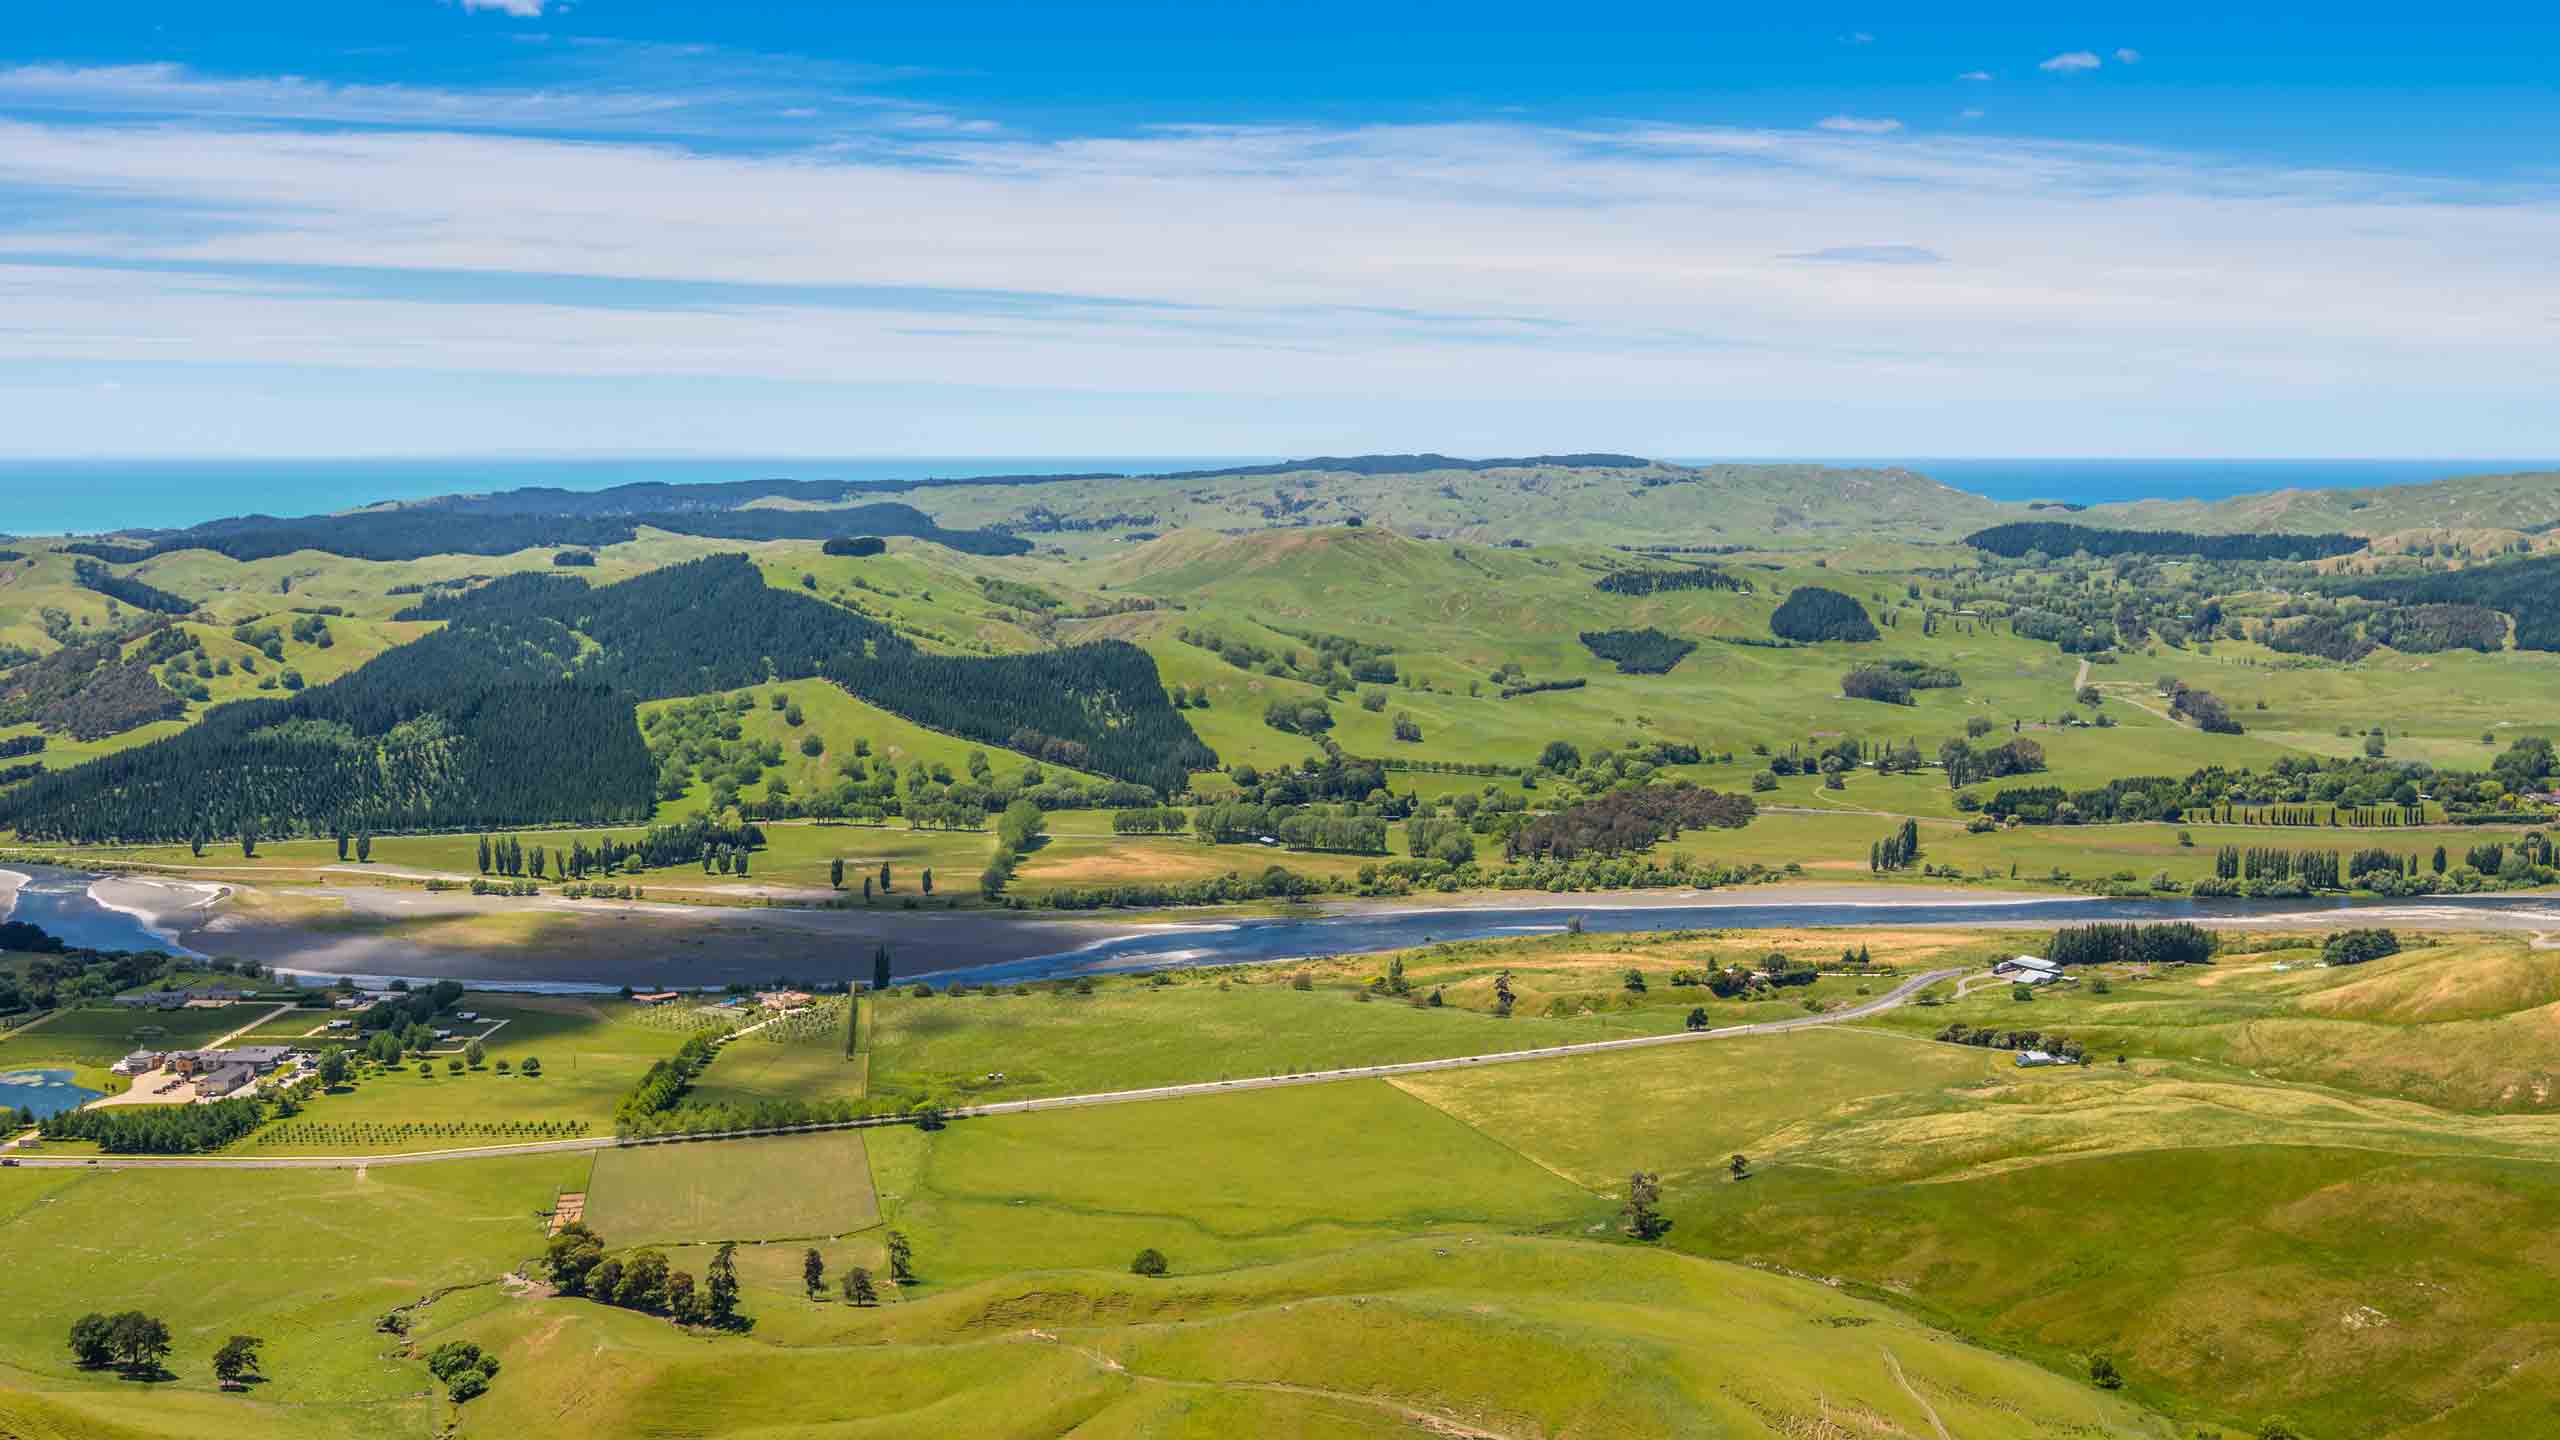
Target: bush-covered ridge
520 711
412 532
2527 590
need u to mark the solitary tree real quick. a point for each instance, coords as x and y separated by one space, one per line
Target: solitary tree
866 889
813 1272
835 872
858 1289
901 1259
139 1342
1644 1193
333 1066
92 1340
721 1284
2102 1373
884 877
880 968
1740 1165
364 847
1698 1018
1502 996
476 1053
1150 1263
928 880
237 1360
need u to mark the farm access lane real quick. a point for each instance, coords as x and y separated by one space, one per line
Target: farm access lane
1891 999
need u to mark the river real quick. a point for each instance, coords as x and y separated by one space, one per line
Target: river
66 903
63 902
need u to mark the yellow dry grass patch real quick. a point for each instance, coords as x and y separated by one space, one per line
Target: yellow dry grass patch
2444 982
2028 1118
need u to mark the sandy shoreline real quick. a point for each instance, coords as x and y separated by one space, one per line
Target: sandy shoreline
161 906
10 880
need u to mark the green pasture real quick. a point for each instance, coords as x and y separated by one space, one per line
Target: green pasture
306 1259
702 1191
1219 1181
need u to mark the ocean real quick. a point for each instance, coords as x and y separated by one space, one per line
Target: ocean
50 497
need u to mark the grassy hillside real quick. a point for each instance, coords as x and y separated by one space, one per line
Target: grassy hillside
2518 503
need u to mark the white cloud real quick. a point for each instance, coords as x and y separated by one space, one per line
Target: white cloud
1860 125
1975 75
2071 62
1619 273
521 9
2129 56
1857 37
1970 113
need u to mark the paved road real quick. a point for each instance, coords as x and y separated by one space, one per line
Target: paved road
1898 995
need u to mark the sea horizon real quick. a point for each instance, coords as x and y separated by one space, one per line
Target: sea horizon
88 495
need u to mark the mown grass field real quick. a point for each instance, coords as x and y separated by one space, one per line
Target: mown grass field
704 1191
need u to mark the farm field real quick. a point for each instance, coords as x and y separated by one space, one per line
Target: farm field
306 1259
1249 1021
702 1191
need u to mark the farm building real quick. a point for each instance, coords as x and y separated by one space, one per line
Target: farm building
256 1059
2029 1059
224 1080
137 1063
656 997
2030 969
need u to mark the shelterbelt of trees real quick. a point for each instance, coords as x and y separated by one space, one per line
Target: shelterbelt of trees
521 711
2054 538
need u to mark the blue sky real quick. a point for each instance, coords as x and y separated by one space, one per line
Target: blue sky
421 227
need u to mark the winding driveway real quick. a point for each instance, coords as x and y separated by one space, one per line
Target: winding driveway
1891 999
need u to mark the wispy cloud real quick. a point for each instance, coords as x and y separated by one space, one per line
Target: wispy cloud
1975 75
2129 56
521 9
1644 263
1869 255
1857 37
1860 124
611 88
2071 62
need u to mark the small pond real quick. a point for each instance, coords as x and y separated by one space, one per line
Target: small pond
46 1092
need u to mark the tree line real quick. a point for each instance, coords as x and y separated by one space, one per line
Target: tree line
1656 581
2176 942
133 591
2021 538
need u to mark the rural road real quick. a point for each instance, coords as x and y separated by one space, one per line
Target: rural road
1891 999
